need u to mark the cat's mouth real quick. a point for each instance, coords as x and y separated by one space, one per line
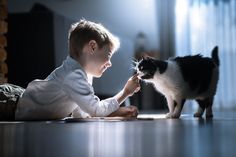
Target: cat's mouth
144 75
147 76
140 74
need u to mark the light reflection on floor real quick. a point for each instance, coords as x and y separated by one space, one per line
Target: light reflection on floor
151 135
151 116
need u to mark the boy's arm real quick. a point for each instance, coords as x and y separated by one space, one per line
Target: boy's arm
132 86
81 92
121 96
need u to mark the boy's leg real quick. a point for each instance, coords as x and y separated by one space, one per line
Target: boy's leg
9 95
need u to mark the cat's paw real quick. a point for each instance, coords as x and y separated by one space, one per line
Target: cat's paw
197 114
209 115
172 115
175 115
168 115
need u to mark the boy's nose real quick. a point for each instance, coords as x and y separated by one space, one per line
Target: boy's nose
109 64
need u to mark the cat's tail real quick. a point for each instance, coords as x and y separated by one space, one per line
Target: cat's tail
214 56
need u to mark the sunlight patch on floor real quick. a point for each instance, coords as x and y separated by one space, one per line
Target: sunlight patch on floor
151 116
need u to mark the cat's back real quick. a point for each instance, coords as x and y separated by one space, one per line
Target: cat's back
197 71
194 62
195 65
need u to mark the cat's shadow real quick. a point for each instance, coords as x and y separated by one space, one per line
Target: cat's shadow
205 121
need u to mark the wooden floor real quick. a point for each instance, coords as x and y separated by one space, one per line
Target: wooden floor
184 137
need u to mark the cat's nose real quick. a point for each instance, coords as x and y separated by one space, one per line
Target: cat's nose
139 74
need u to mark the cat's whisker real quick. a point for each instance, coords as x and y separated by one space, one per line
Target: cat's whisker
132 68
134 65
134 59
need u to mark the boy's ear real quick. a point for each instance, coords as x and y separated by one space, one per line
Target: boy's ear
92 45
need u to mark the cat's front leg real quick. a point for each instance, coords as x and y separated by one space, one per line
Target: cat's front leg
171 106
178 103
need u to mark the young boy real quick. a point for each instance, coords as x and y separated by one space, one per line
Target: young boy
68 90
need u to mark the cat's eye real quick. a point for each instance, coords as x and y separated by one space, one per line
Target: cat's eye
141 68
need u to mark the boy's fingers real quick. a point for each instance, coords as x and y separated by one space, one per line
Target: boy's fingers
132 111
130 108
133 108
137 89
135 76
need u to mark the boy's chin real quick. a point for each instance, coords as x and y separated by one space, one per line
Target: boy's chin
98 75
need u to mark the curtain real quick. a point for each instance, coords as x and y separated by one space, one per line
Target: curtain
203 24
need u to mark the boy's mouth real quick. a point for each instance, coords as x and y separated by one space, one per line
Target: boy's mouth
105 67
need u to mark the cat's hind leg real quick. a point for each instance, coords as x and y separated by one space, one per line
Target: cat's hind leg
204 104
201 108
209 104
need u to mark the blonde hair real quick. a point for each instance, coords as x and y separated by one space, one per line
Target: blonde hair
83 31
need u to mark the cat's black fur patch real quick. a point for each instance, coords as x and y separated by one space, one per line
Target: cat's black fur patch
162 66
196 70
150 65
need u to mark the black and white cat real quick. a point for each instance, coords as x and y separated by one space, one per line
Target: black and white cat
181 78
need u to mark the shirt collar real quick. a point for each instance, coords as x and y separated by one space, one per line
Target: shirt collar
75 65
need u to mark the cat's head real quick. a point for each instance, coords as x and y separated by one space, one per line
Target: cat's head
146 68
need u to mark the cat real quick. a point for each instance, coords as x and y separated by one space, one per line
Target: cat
180 78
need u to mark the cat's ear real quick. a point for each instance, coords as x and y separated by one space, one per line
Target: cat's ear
145 56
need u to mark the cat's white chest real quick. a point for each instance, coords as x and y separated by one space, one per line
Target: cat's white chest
170 82
165 86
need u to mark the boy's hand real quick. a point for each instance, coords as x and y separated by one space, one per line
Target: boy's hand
129 111
132 86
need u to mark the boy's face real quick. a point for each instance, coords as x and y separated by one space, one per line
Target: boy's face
100 60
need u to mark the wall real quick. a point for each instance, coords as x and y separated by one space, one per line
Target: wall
125 18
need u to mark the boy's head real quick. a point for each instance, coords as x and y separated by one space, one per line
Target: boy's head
82 32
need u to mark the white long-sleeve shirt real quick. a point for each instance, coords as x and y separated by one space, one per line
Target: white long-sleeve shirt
67 90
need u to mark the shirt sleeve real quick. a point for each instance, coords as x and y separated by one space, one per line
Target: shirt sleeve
77 86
